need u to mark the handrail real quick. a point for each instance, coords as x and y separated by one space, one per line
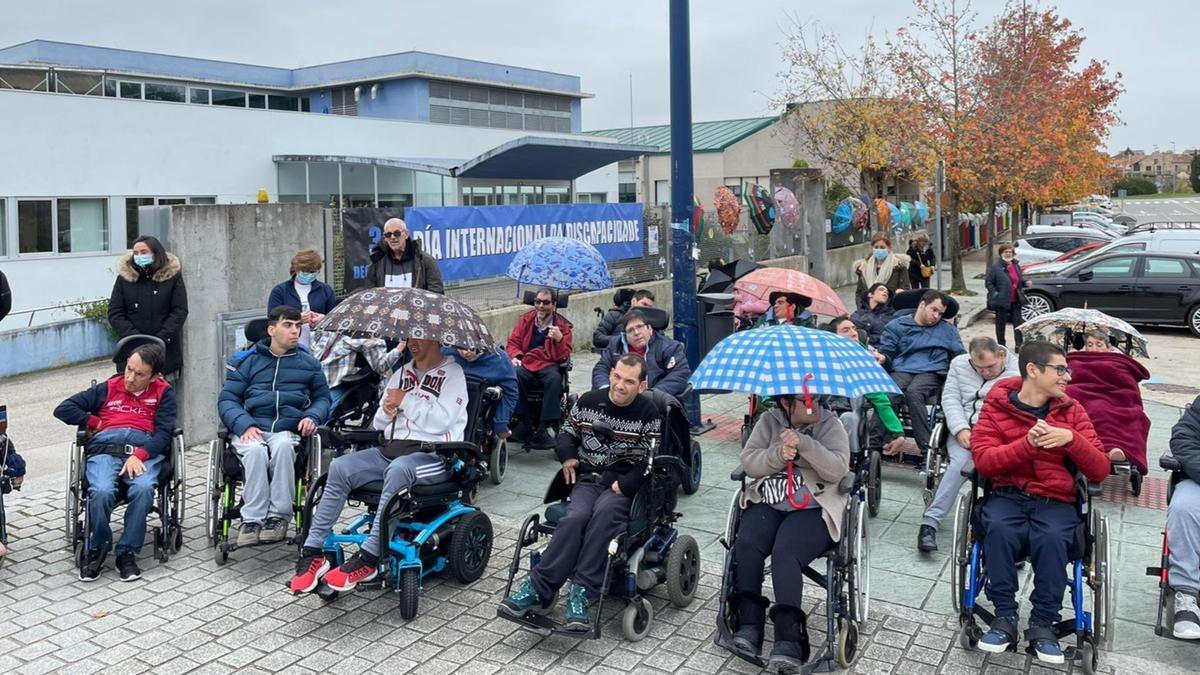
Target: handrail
35 310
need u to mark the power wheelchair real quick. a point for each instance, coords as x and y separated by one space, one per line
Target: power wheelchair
482 402
846 577
426 529
533 395
648 553
1091 568
169 498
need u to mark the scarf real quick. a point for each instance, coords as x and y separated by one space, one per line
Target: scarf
883 275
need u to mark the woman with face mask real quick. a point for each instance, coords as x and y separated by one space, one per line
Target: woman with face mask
149 298
1006 292
305 292
881 266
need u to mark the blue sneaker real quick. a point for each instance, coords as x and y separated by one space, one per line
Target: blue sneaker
577 615
1000 636
1047 650
524 601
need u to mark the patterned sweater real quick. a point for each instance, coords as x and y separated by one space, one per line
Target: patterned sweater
612 461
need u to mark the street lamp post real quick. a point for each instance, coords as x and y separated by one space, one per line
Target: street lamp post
683 264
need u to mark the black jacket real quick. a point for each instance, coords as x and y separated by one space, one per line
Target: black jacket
5 297
424 269
999 286
872 321
609 330
151 304
925 258
1185 440
667 368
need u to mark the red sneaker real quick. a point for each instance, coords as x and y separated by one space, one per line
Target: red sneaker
351 573
309 571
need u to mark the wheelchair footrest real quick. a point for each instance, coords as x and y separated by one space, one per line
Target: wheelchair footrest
546 626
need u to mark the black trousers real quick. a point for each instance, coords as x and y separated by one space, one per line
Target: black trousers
793 539
920 390
1014 523
550 382
1009 315
579 547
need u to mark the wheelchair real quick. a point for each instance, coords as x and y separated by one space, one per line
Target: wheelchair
169 499
482 402
426 529
1166 601
932 463
534 395
7 483
650 552
1091 568
223 504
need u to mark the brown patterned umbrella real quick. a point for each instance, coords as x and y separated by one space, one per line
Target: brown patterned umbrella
408 313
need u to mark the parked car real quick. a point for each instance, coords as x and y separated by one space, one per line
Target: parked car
1139 287
1038 247
1098 220
1068 257
1091 230
1165 241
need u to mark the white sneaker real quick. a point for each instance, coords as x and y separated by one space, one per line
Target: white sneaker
1187 617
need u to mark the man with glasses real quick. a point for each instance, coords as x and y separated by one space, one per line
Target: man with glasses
539 344
398 262
917 347
1029 438
666 360
970 379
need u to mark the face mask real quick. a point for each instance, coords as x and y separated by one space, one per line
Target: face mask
306 277
880 253
143 261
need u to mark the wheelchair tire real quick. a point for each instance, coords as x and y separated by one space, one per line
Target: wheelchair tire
1089 658
691 477
498 462
1135 483
874 482
960 557
858 564
970 635
470 547
410 591
72 498
1101 581
683 571
847 642
636 619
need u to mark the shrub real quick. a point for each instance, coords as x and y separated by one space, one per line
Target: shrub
1135 185
96 310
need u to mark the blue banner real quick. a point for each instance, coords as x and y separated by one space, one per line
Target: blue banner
479 241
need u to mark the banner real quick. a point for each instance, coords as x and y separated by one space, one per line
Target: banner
470 242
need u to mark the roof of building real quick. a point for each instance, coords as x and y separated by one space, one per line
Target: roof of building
706 136
372 68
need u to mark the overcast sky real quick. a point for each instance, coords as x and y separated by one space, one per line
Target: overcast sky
735 46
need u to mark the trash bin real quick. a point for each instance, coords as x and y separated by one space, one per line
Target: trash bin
717 319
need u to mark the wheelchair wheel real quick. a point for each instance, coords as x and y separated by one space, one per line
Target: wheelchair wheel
178 498
73 498
847 647
1135 483
683 571
470 547
498 462
858 567
410 591
1089 658
1101 580
636 619
874 482
933 474
691 477
961 556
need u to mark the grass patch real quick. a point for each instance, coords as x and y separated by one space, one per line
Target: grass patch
968 293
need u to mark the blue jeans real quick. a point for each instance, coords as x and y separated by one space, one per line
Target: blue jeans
102 477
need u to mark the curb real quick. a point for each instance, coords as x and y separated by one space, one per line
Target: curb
969 316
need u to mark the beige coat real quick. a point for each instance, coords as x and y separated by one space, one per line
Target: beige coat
822 460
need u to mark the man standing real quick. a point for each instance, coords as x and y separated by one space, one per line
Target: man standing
606 474
272 392
131 418
398 262
666 360
540 342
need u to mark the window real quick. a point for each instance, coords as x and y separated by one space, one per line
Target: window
35 226
591 198
1166 267
662 192
131 217
3 232
131 90
228 97
627 193
283 103
165 92
25 79
82 225
199 96
202 200
258 101
84 84
1180 245
1113 267
1135 246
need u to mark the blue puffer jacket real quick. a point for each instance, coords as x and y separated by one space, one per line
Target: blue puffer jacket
913 348
667 368
272 392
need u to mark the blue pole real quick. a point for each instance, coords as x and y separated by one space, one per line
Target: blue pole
683 266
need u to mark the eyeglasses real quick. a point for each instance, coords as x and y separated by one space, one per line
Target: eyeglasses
634 330
543 302
1063 371
393 235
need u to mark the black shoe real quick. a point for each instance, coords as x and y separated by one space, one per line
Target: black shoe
92 565
541 439
127 566
751 615
521 431
791 649
927 539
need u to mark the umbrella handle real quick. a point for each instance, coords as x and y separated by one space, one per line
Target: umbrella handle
791 491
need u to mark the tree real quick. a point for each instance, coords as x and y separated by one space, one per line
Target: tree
1135 185
1194 171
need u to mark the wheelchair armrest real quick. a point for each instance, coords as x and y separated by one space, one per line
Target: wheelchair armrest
492 393
738 475
846 484
1094 489
1168 462
351 436
687 392
81 435
223 435
453 449
177 432
566 366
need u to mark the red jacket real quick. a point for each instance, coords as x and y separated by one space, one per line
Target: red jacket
551 353
1003 453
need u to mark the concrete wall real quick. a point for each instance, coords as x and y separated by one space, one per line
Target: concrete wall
53 345
232 256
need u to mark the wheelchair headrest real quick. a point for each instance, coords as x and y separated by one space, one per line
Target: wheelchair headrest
560 299
256 330
656 317
622 297
911 298
129 343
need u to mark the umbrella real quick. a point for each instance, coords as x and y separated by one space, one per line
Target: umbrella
921 214
789 207
722 276
561 262
1072 320
850 212
883 211
761 205
761 282
729 209
906 214
408 313
789 359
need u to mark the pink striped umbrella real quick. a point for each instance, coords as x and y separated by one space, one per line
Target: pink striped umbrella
763 281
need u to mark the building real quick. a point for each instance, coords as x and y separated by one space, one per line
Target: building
1168 170
92 134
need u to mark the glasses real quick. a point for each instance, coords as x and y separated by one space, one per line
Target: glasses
393 235
634 330
1063 371
543 302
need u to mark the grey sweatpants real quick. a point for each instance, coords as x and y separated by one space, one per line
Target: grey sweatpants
948 488
269 476
1183 536
350 472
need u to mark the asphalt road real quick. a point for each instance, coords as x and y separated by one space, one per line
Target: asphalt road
1173 209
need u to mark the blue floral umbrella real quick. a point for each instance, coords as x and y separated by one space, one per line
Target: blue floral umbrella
561 263
791 359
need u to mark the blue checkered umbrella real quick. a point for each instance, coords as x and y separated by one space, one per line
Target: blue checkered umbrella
777 360
561 262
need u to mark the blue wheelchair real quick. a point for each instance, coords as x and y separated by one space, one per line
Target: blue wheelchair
426 529
1091 568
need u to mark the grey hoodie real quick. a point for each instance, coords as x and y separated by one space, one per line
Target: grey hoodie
962 397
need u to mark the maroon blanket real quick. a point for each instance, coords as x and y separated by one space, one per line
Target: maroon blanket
1106 383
